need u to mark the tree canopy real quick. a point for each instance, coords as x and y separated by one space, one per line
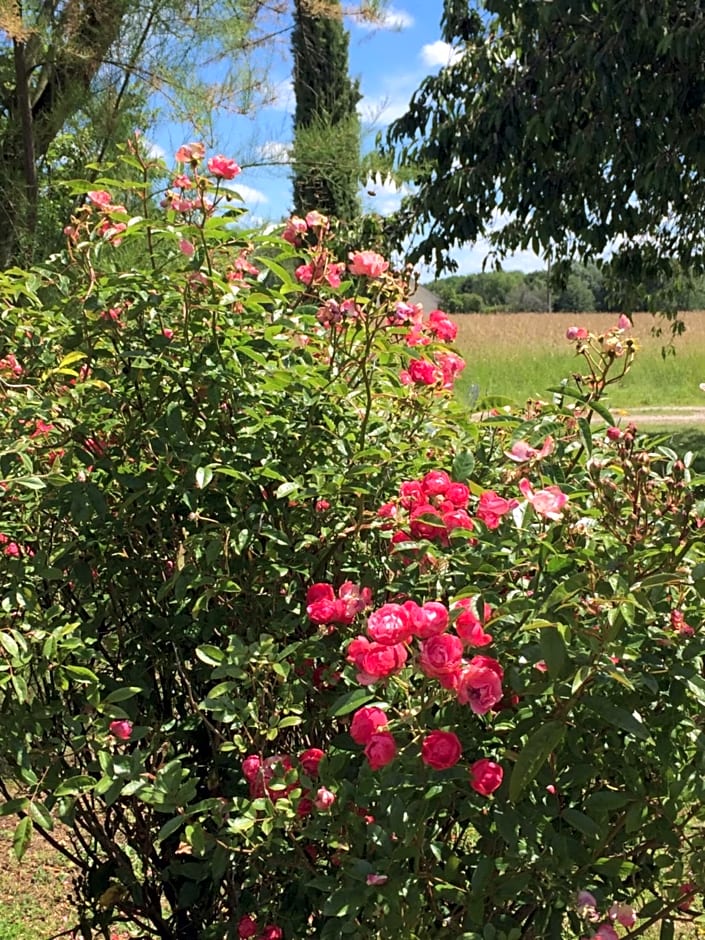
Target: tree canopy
569 128
326 124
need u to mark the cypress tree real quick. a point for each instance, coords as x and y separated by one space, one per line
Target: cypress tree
326 149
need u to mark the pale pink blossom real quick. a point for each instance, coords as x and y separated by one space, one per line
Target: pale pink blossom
521 451
624 914
377 879
223 167
367 263
547 502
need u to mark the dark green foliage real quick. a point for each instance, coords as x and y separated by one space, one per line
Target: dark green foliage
326 125
580 122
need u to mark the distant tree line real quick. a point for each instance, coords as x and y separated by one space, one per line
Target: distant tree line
585 288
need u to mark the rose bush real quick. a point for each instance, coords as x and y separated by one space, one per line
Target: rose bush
293 645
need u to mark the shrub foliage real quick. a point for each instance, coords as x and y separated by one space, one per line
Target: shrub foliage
291 645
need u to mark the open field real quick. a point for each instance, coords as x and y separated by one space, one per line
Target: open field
520 355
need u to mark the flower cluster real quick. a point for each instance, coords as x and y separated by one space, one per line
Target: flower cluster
440 750
324 606
618 913
248 929
276 777
431 508
439 655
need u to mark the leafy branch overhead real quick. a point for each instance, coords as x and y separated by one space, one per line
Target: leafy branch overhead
565 128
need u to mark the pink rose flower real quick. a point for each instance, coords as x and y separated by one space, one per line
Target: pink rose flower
295 228
425 522
441 750
247 927
441 326
304 273
451 365
457 519
521 451
223 167
367 264
251 767
321 603
188 153
492 508
441 656
380 750
458 494
624 323
310 759
122 729
485 776
411 494
389 625
547 502
429 620
479 684
606 932
324 799
423 372
624 914
366 722
380 662
435 483
100 198
468 625
272 932
315 219
576 332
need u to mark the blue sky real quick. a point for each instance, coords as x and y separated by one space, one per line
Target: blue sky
390 59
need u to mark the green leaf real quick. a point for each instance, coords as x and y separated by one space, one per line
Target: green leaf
463 465
210 655
121 695
534 755
286 489
40 815
349 702
72 786
553 650
581 822
22 837
619 717
203 477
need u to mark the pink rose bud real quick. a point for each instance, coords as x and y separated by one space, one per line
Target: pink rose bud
624 323
324 799
485 776
122 730
614 433
377 879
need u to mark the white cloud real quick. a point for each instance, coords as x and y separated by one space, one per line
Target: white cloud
274 151
439 53
389 19
383 194
280 96
250 196
154 151
385 108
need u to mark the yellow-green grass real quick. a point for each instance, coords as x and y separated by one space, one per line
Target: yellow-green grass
521 355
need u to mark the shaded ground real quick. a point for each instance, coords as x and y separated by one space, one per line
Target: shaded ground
34 894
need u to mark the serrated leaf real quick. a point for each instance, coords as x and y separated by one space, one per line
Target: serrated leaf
534 755
463 465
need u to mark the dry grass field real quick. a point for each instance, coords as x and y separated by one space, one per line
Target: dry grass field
520 355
